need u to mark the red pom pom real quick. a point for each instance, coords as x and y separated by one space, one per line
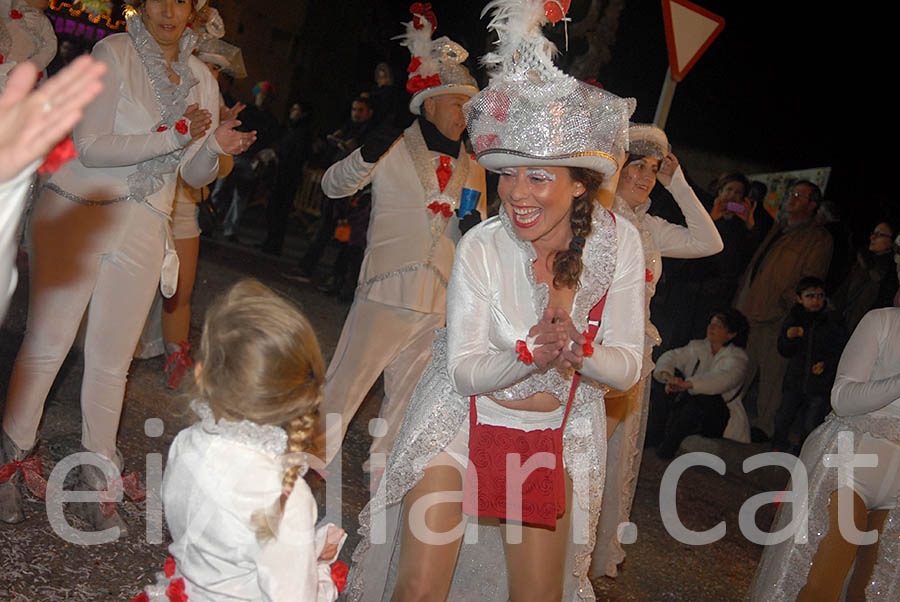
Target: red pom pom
169 567
161 128
556 9
61 153
175 591
414 84
14 14
414 65
434 206
648 276
181 127
339 573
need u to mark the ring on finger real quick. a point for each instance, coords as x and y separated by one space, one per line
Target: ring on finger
47 106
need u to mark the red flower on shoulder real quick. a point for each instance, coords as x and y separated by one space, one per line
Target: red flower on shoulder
169 567
181 127
175 591
14 14
339 573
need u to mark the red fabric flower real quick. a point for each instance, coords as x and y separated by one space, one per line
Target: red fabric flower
414 65
61 153
588 347
555 10
161 128
417 82
181 127
444 171
525 355
339 573
169 567
175 591
141 597
422 10
648 276
443 208
14 14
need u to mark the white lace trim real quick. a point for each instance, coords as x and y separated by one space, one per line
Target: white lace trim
266 438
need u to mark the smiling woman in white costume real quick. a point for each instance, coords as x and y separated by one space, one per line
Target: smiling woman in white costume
99 232
519 296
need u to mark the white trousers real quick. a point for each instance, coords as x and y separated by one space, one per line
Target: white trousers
103 258
376 338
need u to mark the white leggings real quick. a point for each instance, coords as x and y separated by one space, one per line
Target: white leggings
108 259
879 487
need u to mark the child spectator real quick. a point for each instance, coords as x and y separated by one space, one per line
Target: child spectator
241 516
705 399
812 337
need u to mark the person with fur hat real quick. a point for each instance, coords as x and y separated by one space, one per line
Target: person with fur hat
649 160
418 180
545 311
101 239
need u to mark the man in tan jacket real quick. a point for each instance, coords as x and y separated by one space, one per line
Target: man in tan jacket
795 247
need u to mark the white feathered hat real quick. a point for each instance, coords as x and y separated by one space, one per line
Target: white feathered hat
532 113
436 66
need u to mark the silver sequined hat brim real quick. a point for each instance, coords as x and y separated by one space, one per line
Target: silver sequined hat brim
498 158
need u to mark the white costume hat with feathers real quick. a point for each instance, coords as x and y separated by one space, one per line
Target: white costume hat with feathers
532 113
436 66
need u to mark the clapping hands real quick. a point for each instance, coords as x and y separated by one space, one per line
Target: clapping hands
556 341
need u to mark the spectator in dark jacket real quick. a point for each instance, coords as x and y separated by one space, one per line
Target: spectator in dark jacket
812 337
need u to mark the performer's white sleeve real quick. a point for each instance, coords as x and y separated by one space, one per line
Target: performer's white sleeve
97 145
475 368
617 360
347 176
699 239
854 392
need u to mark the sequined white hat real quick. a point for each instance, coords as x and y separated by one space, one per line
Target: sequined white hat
532 113
436 66
214 50
648 140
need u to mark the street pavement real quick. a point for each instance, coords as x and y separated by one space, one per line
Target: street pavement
38 565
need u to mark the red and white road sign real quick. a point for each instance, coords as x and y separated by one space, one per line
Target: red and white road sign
690 29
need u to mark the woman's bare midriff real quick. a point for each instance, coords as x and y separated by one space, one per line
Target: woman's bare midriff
539 402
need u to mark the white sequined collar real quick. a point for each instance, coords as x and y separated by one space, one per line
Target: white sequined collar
266 438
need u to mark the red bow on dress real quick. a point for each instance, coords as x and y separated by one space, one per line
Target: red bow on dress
444 171
31 471
443 208
129 484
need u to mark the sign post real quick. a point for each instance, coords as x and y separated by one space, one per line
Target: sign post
690 29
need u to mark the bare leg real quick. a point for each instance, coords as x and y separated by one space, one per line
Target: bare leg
535 567
426 569
866 557
834 557
176 317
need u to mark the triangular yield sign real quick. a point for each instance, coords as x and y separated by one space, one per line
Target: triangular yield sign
690 29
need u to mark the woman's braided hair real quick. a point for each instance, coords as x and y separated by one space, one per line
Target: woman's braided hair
567 264
260 361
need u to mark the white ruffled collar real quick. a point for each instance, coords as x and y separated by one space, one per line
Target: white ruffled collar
266 438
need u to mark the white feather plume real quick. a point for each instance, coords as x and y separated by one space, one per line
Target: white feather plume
419 43
521 46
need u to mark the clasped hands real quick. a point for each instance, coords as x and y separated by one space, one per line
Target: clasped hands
556 341
232 141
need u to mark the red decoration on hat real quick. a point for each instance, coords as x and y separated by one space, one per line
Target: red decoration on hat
61 153
498 104
14 14
525 355
486 141
339 573
444 171
417 82
593 81
422 10
181 127
414 65
556 10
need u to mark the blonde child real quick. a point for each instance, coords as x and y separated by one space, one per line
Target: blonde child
242 518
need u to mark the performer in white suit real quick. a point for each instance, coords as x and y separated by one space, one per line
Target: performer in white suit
417 183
